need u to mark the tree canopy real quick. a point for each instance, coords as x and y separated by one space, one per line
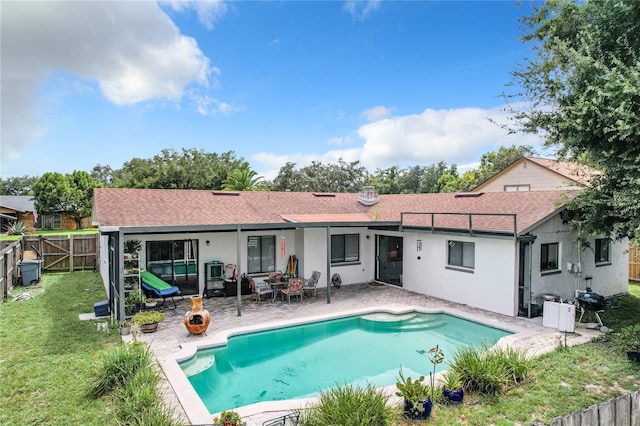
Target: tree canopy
18 185
319 177
72 193
189 169
582 88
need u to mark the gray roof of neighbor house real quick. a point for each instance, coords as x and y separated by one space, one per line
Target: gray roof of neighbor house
117 207
19 203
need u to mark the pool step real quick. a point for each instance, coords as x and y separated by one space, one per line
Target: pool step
419 324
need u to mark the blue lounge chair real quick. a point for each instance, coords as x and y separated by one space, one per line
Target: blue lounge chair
158 288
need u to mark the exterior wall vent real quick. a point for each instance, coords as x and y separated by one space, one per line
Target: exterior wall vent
324 194
368 196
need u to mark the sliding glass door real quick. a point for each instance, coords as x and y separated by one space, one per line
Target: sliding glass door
176 262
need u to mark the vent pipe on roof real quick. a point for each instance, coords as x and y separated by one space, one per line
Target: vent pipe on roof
368 196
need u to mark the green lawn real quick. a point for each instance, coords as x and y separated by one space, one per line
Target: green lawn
48 359
58 232
48 356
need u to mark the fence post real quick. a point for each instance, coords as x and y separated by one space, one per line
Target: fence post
590 416
71 253
606 415
623 406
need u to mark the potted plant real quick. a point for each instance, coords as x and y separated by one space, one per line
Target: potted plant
230 418
132 247
125 328
630 337
148 320
417 404
452 386
137 300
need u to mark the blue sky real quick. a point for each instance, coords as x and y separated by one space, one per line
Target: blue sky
386 83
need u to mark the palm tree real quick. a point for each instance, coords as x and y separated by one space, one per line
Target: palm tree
243 180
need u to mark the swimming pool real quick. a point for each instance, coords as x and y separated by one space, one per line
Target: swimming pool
298 361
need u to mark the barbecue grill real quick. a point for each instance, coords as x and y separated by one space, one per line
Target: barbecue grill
592 302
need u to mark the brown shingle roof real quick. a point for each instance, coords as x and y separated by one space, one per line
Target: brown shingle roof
173 207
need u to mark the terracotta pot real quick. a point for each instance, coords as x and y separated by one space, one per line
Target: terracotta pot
197 319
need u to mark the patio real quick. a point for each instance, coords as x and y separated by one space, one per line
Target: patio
171 334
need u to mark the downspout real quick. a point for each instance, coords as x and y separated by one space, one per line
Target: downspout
238 275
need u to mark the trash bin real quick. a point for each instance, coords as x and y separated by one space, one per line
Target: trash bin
30 271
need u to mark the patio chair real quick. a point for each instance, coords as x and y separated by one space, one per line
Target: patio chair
310 285
260 290
158 288
294 289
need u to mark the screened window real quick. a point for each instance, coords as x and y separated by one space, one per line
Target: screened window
345 248
261 254
49 221
602 250
549 260
462 253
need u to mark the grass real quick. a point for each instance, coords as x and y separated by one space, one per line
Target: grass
53 233
48 356
49 359
559 383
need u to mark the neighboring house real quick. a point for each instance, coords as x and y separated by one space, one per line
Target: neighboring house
21 207
538 174
497 251
15 208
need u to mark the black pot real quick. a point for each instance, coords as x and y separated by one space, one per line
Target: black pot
633 356
414 412
455 396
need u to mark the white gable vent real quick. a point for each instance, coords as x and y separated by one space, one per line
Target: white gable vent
368 196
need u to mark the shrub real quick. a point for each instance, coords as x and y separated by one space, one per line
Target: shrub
148 317
349 405
630 337
16 228
488 371
118 365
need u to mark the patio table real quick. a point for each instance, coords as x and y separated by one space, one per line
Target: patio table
276 285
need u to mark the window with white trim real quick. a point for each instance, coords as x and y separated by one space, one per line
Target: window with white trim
517 188
549 257
461 254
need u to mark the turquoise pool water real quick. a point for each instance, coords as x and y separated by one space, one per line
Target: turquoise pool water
299 361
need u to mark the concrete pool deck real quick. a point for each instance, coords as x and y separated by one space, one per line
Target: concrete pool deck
173 342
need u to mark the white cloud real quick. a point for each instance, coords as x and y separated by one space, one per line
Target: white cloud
361 9
131 49
377 113
456 136
208 11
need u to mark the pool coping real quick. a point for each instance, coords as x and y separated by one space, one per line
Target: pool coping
197 412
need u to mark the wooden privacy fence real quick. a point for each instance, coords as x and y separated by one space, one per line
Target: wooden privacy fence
634 262
9 257
64 253
621 411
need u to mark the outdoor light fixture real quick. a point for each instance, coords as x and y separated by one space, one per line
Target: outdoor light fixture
419 245
207 242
